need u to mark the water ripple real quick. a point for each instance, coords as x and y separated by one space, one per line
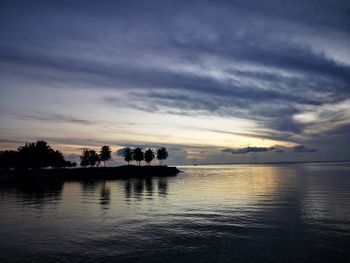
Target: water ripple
247 213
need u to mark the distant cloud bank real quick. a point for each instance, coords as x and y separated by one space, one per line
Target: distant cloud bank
249 149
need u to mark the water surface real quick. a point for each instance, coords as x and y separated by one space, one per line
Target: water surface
232 213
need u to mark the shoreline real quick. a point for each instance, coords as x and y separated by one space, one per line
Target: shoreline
91 173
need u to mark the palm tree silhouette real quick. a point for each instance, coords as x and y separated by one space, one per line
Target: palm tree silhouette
127 154
94 158
149 156
84 158
105 154
89 157
162 154
138 155
39 155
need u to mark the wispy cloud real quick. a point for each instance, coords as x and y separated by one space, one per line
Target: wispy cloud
53 118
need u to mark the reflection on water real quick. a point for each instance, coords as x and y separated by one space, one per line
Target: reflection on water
35 193
162 186
105 196
140 188
243 213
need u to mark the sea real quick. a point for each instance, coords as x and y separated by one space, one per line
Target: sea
207 213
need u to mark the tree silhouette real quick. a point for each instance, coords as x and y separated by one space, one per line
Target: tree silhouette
84 158
70 164
57 159
127 154
105 154
32 156
38 155
8 160
89 157
138 155
43 154
149 156
162 154
27 156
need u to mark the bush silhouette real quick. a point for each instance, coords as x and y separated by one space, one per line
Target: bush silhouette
33 156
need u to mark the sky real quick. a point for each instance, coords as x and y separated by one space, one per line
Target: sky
213 81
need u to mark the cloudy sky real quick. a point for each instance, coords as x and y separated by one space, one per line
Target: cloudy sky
214 81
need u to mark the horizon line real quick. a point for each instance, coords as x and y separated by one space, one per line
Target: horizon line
284 162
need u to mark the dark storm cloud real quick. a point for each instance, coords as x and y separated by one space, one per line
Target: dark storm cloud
73 158
331 14
279 151
248 150
120 152
276 149
150 79
262 60
303 149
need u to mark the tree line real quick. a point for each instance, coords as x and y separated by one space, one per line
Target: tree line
33 155
38 155
91 158
148 156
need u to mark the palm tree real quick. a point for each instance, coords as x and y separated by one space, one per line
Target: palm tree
89 157
105 154
127 154
138 155
84 158
94 158
162 154
149 156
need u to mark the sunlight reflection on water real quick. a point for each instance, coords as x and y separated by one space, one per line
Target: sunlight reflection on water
243 213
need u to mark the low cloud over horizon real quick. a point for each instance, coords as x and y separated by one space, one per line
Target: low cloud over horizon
263 80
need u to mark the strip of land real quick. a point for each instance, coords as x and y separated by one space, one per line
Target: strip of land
93 173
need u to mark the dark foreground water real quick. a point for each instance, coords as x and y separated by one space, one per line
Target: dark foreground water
238 213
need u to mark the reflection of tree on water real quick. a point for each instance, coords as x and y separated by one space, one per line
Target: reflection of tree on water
162 186
89 186
135 188
138 187
127 188
105 198
149 186
39 192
